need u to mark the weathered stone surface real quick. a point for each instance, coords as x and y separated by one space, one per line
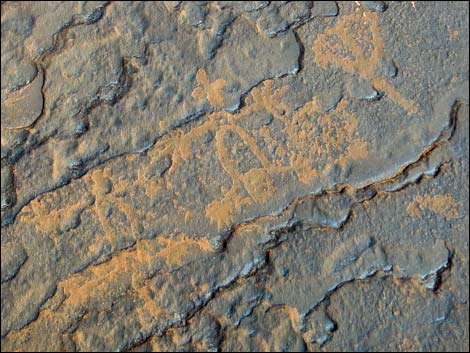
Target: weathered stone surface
234 176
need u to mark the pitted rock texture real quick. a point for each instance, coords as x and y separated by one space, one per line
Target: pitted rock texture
235 176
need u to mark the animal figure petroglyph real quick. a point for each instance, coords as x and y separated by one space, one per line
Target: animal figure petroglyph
307 142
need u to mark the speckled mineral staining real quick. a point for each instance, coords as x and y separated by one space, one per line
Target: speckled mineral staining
234 176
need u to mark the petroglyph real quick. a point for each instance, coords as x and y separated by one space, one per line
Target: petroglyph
223 176
355 45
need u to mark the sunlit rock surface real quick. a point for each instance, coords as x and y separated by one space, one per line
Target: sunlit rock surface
234 176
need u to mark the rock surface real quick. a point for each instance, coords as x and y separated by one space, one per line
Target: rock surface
235 176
